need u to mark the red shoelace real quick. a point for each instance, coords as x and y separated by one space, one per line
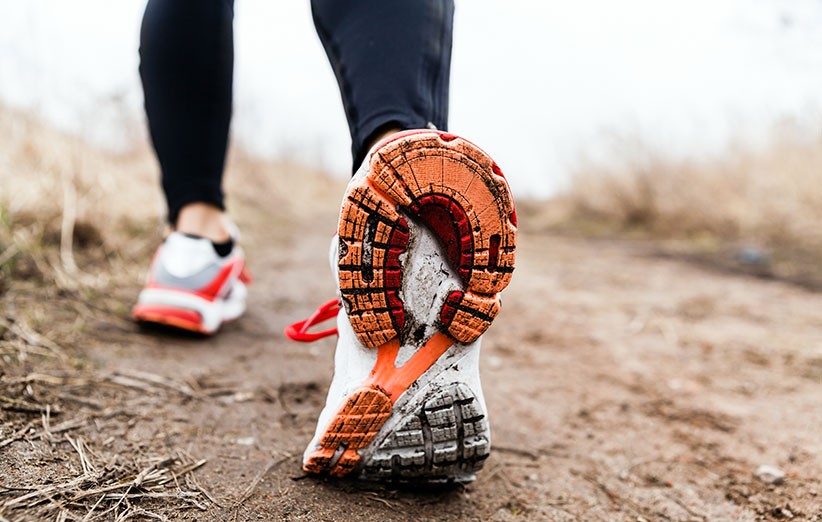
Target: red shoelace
299 330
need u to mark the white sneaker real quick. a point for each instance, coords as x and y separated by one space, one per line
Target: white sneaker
191 287
426 242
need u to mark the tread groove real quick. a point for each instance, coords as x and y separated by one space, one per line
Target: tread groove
435 442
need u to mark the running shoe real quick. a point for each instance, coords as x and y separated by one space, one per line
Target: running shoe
191 287
425 244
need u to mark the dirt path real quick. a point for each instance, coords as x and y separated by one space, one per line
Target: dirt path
621 386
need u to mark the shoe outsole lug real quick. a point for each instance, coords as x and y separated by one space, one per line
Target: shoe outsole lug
445 439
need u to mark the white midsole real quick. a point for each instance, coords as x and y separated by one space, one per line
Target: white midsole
212 313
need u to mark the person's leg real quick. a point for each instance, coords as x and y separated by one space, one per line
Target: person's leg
197 277
186 66
425 243
392 60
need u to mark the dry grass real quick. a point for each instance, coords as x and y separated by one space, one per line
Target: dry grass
742 207
77 228
58 458
60 196
772 195
58 464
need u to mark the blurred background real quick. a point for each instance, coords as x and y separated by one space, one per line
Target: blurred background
571 80
698 122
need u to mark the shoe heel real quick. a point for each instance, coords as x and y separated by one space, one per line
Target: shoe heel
445 439
461 195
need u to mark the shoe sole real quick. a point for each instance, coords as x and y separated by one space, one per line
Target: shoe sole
444 438
177 318
457 190
186 311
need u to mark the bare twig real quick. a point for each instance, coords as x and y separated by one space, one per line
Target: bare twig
8 254
32 338
68 221
517 451
192 481
376 498
254 483
17 435
80 447
91 511
70 424
41 494
46 420
9 404
148 482
144 380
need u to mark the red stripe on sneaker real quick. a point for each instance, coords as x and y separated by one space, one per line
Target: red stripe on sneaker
212 290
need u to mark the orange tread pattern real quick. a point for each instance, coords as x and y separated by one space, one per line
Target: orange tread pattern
372 236
460 193
354 427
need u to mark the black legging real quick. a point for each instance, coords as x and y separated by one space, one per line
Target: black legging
391 58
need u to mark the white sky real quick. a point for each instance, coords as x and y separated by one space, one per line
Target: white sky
537 84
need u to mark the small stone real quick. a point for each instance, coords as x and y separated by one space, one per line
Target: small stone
752 255
770 474
246 441
495 363
243 396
